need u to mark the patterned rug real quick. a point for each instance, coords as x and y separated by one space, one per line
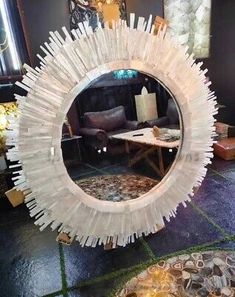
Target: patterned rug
197 275
117 188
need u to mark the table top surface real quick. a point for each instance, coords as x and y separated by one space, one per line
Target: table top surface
145 136
71 138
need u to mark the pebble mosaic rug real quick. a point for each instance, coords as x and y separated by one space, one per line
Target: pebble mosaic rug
118 187
197 275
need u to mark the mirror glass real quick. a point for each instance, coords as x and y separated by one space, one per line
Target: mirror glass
121 136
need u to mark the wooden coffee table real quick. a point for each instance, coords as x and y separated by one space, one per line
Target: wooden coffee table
147 144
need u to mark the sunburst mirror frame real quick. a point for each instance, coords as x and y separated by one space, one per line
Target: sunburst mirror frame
69 66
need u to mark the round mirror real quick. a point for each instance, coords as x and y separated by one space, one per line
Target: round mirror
68 68
128 135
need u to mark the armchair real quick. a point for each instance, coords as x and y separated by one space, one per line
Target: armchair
99 126
171 120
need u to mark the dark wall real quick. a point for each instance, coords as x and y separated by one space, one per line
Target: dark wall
8 89
42 16
222 59
107 97
144 8
221 63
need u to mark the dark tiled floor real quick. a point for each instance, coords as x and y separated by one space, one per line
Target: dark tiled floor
78 170
216 197
33 264
226 245
222 166
30 262
100 289
86 263
187 229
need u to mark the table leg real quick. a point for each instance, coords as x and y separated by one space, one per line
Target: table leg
79 150
160 159
144 154
154 166
138 156
168 168
127 148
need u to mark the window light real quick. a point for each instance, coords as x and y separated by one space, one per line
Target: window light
16 64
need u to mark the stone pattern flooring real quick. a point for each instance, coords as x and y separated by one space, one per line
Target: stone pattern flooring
189 275
116 188
32 263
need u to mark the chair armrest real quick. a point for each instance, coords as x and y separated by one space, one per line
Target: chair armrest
132 125
160 122
98 134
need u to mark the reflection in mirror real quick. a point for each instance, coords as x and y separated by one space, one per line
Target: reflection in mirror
121 136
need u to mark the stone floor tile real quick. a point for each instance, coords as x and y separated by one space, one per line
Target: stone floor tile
30 264
216 197
86 263
227 245
221 165
101 289
187 229
77 170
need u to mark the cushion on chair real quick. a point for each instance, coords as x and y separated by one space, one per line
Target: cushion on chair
225 148
107 120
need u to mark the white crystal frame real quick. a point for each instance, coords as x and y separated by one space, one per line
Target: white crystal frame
67 68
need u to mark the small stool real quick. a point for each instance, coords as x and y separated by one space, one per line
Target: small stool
225 148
